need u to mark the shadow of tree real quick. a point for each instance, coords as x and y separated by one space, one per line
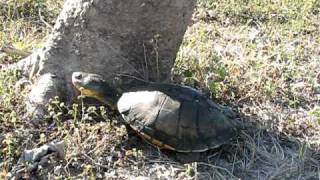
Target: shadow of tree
254 154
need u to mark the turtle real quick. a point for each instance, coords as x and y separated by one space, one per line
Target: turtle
169 116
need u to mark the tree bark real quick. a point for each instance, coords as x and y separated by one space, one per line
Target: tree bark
113 38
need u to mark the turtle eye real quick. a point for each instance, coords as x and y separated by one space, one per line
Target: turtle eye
78 76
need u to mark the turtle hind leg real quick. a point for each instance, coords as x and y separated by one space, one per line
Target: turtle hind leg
188 157
133 138
131 132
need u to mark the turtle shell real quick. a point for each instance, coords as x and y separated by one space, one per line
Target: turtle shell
177 117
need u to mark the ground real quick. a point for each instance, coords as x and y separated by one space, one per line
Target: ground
262 58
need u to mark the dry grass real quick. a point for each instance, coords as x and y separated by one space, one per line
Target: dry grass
260 57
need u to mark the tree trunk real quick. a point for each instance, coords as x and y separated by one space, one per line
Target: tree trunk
113 38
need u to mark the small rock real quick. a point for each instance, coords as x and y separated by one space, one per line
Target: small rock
57 170
37 159
36 154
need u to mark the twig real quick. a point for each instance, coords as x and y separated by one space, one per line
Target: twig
13 51
127 61
146 62
280 172
42 20
95 163
217 167
130 76
157 59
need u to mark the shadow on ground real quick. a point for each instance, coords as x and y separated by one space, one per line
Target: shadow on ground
254 154
103 148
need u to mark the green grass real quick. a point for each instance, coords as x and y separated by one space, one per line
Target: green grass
10 120
20 27
23 24
259 57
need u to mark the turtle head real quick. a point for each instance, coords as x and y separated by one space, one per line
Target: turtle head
94 86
